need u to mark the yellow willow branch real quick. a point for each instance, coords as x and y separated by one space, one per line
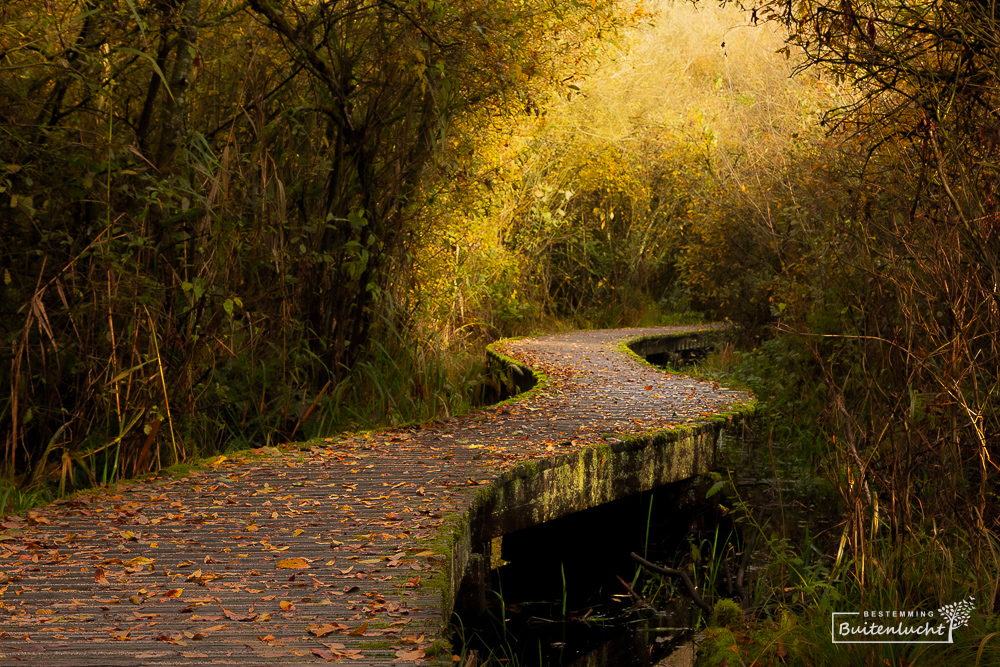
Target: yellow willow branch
163 381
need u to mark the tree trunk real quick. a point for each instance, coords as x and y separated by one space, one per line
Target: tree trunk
180 82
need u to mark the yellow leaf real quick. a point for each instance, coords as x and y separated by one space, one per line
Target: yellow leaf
292 564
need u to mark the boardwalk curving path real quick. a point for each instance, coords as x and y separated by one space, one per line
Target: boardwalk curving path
345 548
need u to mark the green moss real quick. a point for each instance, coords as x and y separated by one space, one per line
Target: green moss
438 647
181 469
541 379
726 614
719 649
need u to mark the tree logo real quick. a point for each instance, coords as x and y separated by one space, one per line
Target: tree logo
957 614
902 627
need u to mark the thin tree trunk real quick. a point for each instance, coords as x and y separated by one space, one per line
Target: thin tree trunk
146 118
180 82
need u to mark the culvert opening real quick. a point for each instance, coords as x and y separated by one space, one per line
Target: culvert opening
562 595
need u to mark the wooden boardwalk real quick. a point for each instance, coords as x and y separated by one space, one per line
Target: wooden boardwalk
342 549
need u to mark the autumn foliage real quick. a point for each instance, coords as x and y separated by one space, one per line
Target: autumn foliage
210 208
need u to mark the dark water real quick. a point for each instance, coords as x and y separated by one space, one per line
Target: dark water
558 599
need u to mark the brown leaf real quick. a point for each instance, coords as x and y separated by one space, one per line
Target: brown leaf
360 630
292 564
325 629
409 655
100 576
34 518
233 616
326 655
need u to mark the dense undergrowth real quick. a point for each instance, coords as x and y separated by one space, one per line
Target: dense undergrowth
218 216
796 536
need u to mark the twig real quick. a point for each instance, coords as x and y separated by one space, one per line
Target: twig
669 571
639 600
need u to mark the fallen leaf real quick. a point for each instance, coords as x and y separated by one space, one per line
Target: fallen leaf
100 576
326 655
326 629
409 655
360 630
233 616
292 564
